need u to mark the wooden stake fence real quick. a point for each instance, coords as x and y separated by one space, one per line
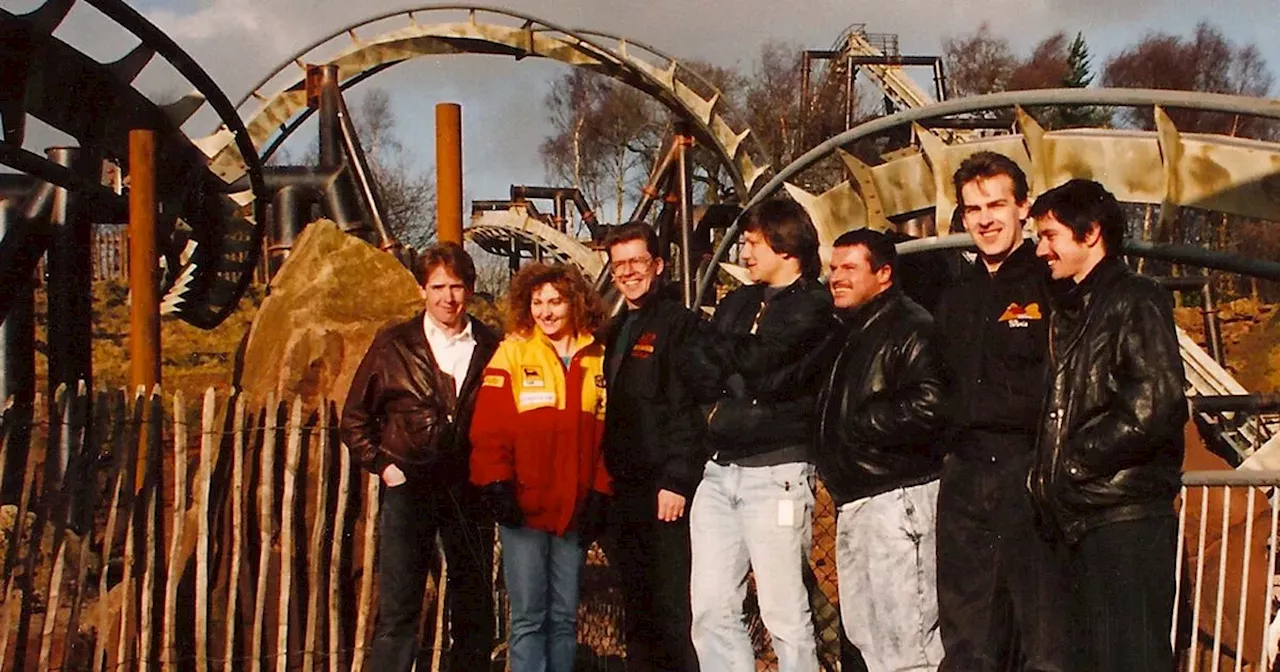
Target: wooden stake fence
100 575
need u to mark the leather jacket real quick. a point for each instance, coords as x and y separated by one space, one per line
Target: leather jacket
759 366
401 409
653 427
1110 441
881 410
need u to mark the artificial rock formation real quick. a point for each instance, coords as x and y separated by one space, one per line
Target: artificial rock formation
327 302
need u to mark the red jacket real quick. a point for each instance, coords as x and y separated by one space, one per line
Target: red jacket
541 426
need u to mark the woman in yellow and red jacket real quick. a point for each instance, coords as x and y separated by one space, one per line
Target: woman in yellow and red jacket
536 455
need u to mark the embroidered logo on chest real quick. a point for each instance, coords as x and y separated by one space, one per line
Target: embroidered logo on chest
644 345
1019 317
531 376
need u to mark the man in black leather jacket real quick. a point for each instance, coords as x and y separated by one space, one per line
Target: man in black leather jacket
406 420
758 375
999 584
1110 446
879 452
651 448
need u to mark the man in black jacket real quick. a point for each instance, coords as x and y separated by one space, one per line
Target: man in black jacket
1109 452
406 419
652 429
878 452
758 375
999 584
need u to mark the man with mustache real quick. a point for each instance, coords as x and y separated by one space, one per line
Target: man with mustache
999 585
878 451
1109 453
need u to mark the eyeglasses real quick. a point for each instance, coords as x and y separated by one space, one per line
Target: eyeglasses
637 264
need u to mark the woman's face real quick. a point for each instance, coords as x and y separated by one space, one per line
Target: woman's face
550 311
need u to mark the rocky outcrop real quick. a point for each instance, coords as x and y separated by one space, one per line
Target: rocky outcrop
327 302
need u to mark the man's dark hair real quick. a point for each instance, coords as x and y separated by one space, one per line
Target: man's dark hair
880 248
787 229
625 233
452 257
1079 205
986 165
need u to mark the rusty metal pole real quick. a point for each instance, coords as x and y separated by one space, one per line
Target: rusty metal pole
449 173
144 289
686 218
144 305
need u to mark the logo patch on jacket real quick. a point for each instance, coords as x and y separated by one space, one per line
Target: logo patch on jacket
531 376
493 381
1019 317
644 345
600 382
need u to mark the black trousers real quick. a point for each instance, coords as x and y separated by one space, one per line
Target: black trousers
652 562
1001 589
410 517
1123 580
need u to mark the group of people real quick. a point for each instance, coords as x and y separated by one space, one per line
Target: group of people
1004 468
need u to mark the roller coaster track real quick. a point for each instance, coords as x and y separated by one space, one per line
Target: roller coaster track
1164 167
208 246
494 31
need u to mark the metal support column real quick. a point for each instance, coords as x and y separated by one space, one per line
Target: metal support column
449 172
69 270
686 218
17 365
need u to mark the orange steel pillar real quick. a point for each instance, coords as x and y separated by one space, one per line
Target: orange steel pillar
449 172
144 309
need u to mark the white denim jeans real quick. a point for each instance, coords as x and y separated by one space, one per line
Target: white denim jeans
759 518
887 562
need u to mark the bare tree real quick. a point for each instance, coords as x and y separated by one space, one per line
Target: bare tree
605 136
408 191
1207 61
978 63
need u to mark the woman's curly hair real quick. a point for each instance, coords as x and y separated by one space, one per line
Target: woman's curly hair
586 312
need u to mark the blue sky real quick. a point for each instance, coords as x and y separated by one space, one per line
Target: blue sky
239 41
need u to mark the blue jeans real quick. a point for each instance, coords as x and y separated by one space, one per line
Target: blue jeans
541 571
886 559
759 518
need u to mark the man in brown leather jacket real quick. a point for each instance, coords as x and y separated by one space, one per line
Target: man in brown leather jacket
1109 453
406 419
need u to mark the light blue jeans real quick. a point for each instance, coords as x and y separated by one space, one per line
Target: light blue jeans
541 571
759 518
886 558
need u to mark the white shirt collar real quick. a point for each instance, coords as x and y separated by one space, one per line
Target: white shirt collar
434 332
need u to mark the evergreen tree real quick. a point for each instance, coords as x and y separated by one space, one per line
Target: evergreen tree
1078 76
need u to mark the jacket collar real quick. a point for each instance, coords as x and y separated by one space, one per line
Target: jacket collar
1071 294
581 340
863 316
1021 262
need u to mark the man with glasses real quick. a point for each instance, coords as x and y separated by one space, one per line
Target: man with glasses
651 431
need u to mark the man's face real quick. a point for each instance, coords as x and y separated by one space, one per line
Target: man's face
993 216
550 310
851 279
634 270
763 264
446 297
1066 256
